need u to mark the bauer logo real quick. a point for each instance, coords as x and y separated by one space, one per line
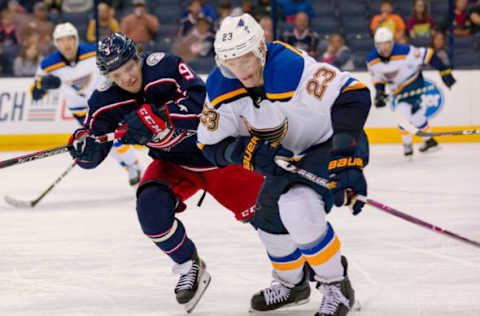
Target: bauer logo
432 99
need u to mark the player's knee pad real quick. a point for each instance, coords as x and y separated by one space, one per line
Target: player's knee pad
302 211
155 208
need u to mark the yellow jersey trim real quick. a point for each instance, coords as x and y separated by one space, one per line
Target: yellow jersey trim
55 66
87 55
228 95
289 47
278 96
374 61
356 86
429 55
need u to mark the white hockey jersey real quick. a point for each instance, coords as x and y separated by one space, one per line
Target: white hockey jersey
296 111
79 79
402 69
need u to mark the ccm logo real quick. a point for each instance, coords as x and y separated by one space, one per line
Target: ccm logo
147 118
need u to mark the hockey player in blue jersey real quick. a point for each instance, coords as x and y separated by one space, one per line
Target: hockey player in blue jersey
156 101
396 69
268 100
72 69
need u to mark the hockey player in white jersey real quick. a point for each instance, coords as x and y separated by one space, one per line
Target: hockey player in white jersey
396 69
72 68
267 100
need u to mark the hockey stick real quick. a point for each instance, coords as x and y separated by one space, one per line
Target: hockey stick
50 152
288 166
25 204
405 124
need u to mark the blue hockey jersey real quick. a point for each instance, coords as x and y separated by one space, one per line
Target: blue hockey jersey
169 82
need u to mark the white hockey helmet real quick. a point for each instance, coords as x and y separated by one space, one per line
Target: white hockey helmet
64 29
236 37
383 34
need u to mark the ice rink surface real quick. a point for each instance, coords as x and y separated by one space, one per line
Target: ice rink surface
80 251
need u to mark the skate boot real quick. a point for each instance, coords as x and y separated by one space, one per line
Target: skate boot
428 145
194 280
407 149
281 294
338 297
134 174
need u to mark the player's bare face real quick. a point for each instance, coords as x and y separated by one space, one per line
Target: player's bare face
247 68
384 48
67 46
128 76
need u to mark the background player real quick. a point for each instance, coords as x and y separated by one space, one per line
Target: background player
157 100
268 100
397 69
72 68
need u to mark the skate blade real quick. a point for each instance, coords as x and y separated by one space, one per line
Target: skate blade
356 306
203 284
301 302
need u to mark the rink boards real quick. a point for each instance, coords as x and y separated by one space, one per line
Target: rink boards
29 125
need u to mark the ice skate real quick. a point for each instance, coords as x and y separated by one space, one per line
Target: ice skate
338 297
429 145
281 295
408 150
194 280
134 174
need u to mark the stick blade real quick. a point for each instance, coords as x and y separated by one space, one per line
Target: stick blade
18 203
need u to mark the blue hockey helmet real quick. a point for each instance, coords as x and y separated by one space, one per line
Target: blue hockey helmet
114 51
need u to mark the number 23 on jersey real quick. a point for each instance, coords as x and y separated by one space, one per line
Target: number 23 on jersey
209 118
317 87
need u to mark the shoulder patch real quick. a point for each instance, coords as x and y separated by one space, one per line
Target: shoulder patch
154 58
104 85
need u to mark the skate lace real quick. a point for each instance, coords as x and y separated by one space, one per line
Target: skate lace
276 293
187 280
332 298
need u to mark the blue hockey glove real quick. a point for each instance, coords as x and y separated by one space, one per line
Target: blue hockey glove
256 155
346 174
44 83
84 147
144 125
447 77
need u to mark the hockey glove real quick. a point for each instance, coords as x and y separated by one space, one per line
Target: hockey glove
346 175
84 147
144 125
447 77
256 155
44 83
380 99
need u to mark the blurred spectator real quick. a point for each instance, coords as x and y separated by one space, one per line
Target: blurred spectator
224 10
26 64
140 25
40 28
21 18
264 7
54 4
198 43
77 6
438 44
461 23
338 54
188 22
267 25
247 7
474 16
290 8
302 37
402 39
420 23
8 32
388 19
206 10
108 24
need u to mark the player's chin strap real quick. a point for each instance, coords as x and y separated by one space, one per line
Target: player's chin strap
289 165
